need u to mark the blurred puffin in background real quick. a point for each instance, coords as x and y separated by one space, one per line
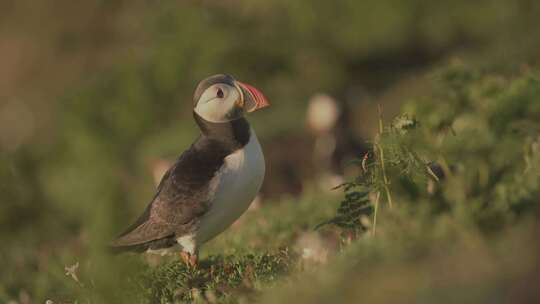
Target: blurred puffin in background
212 183
322 116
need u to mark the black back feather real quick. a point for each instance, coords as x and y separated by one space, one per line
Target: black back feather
182 195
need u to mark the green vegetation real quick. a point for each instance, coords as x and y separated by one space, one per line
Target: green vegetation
102 90
468 237
224 278
484 132
439 235
247 259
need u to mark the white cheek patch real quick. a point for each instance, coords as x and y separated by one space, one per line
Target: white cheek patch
216 110
213 111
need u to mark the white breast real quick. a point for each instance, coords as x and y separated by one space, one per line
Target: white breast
236 185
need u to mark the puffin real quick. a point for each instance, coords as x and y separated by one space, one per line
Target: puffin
212 183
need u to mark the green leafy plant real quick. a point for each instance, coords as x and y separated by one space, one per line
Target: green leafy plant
216 277
474 154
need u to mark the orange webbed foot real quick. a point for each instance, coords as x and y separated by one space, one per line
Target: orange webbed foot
189 259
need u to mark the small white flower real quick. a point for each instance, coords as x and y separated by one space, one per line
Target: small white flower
72 272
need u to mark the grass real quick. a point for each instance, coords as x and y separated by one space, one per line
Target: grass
250 257
229 278
423 266
468 236
247 259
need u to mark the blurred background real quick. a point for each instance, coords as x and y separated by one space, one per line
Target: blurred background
95 98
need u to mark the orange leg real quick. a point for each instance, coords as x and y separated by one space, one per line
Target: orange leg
189 259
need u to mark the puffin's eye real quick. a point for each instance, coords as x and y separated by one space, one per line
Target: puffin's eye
219 93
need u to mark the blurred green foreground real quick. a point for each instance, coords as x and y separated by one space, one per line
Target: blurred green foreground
93 94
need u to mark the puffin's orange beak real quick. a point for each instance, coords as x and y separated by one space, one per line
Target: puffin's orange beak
256 96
